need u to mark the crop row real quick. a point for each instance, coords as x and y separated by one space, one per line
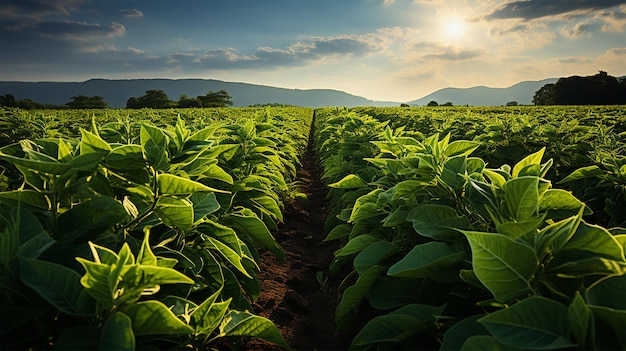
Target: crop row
445 251
131 236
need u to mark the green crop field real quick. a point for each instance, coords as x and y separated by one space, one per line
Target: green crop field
459 227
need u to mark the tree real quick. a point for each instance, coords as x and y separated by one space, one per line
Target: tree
152 99
185 101
215 99
433 103
512 103
8 100
600 89
449 103
545 95
87 102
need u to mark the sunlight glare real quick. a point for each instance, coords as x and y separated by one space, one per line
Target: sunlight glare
454 29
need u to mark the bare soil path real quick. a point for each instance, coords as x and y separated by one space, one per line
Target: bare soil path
291 295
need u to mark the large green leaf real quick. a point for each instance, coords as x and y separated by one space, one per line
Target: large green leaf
175 212
608 292
485 342
522 197
26 197
154 143
374 254
125 158
92 143
117 333
396 326
229 254
426 260
504 266
461 147
48 167
154 318
581 320
437 221
535 323
350 181
560 203
89 219
355 245
459 332
209 314
248 224
241 323
352 297
528 161
583 172
58 285
169 184
203 204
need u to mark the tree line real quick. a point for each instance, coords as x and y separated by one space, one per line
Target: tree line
599 89
151 99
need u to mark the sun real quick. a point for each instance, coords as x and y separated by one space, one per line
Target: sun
454 28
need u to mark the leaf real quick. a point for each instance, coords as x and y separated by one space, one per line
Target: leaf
229 254
459 332
522 197
351 181
582 173
338 232
504 266
154 146
246 223
396 326
89 219
560 203
240 323
374 254
535 323
145 256
436 221
203 205
608 292
32 237
117 333
356 245
169 184
175 212
58 285
461 147
581 320
92 143
352 296
209 314
530 160
426 260
154 318
27 197
48 167
485 342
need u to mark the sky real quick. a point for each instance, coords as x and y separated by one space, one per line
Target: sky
393 50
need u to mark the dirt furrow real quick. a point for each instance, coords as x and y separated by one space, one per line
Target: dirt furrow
295 294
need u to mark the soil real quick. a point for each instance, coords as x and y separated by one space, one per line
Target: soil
302 307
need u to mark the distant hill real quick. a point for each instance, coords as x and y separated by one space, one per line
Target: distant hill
117 92
483 96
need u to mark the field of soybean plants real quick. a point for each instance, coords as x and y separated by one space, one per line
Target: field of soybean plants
449 228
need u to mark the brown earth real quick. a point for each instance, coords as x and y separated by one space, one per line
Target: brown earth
302 307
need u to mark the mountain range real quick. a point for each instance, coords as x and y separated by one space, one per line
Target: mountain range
117 91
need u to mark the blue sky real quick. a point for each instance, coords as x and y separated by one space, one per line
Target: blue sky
396 50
